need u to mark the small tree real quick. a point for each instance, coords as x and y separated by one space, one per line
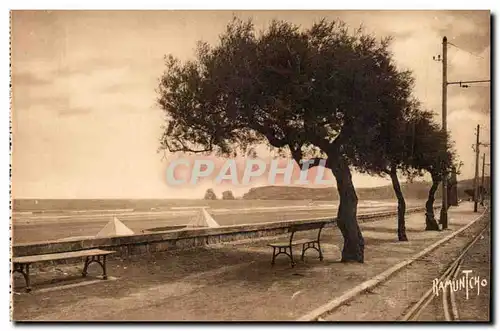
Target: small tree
227 195
392 152
210 195
432 151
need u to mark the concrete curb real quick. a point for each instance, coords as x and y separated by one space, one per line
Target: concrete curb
369 284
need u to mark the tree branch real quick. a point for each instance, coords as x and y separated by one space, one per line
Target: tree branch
314 162
269 133
184 148
296 154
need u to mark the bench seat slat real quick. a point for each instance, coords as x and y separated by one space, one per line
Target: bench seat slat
303 241
59 256
280 244
295 242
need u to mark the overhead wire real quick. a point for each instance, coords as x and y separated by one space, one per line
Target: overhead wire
464 50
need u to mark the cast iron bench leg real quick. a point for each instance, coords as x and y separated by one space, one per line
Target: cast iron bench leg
85 266
27 278
291 256
283 250
312 245
320 252
104 275
26 273
96 259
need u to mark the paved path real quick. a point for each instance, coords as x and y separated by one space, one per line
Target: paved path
229 282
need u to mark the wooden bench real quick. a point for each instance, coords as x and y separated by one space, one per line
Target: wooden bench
22 263
286 247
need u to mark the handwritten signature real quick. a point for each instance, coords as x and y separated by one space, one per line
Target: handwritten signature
467 282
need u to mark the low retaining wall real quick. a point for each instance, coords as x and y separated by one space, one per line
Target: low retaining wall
179 239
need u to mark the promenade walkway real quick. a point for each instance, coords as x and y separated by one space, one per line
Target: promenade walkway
233 281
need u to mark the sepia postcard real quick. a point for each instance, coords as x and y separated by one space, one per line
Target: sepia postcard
227 165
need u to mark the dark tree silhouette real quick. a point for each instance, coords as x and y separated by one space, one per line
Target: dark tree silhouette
317 92
210 195
394 153
433 152
227 195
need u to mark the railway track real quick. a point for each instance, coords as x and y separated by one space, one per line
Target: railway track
449 304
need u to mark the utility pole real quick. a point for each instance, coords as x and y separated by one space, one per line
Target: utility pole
482 181
444 203
477 170
445 83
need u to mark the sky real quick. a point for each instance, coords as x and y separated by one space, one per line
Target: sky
85 123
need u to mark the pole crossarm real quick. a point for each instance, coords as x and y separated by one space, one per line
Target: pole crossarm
468 82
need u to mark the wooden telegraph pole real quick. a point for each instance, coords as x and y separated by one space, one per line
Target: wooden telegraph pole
476 190
444 203
482 181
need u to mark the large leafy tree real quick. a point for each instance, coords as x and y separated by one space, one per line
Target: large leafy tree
321 92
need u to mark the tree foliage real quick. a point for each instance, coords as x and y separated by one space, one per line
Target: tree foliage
324 91
210 195
321 86
227 195
432 149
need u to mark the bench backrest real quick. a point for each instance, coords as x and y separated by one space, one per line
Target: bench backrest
306 227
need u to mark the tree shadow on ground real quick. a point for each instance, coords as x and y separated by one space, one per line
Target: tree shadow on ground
201 264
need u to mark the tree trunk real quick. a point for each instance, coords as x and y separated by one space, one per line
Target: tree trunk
430 222
401 205
347 222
